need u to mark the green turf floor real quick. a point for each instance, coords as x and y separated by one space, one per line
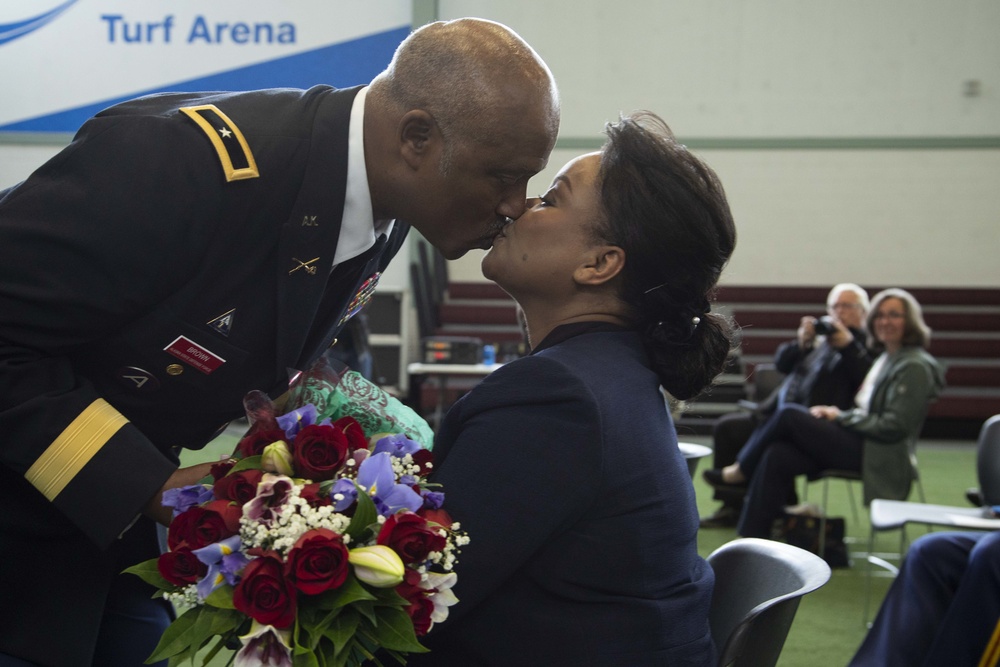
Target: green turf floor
828 627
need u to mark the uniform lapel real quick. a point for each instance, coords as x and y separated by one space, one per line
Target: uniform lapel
343 295
309 237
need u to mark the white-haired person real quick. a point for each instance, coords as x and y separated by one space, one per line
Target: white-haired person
874 437
823 365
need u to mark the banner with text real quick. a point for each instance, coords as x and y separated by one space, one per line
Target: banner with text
62 61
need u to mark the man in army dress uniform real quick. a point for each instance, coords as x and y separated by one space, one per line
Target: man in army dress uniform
187 248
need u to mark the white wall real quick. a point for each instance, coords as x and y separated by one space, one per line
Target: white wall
858 140
918 218
19 160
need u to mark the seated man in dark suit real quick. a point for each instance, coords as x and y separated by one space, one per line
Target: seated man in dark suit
824 365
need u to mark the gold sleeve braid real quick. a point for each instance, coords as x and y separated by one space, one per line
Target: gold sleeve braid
991 656
74 448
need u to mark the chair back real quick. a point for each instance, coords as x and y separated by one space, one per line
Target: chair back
766 380
758 586
988 461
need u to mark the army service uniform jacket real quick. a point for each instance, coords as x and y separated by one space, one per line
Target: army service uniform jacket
174 256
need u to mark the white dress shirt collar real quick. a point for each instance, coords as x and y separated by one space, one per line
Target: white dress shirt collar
358 229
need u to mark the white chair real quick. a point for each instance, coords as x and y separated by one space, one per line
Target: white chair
758 587
693 453
896 514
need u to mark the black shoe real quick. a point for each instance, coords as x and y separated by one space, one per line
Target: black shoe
974 496
724 517
714 477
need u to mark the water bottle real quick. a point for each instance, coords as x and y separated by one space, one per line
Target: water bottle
489 355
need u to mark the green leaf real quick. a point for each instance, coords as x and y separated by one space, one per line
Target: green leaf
395 632
305 660
249 463
349 592
192 629
365 514
389 597
221 597
148 572
341 628
354 653
219 645
367 609
176 638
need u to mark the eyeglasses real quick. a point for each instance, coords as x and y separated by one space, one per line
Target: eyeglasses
891 315
844 306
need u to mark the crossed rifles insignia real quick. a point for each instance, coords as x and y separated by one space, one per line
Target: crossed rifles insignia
307 266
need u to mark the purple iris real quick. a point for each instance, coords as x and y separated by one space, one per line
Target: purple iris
224 560
396 444
184 498
348 492
375 476
294 421
432 499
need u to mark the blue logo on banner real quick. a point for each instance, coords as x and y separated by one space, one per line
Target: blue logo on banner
11 31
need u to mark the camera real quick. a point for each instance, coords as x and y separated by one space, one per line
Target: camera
824 326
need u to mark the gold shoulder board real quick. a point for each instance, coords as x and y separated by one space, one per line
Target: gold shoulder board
234 153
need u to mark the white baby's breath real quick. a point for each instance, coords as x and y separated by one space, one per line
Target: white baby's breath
185 597
296 518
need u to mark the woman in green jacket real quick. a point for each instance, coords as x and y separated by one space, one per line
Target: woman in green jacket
876 437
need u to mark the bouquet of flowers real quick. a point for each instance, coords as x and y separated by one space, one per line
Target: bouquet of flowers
320 544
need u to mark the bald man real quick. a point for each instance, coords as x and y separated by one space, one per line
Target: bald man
187 248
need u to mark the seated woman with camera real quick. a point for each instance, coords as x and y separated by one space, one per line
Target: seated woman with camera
874 438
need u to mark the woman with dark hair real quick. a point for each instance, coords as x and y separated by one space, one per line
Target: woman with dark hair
563 466
875 438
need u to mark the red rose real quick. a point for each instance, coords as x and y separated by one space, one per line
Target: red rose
240 487
350 427
230 513
221 469
181 567
317 562
319 452
420 606
196 528
425 459
264 594
409 535
253 443
311 494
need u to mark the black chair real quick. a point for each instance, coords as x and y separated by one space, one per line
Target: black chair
988 464
758 587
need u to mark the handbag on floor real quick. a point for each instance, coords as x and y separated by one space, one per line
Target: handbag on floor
802 531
